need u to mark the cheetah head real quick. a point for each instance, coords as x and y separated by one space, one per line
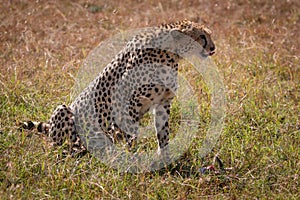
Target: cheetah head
196 32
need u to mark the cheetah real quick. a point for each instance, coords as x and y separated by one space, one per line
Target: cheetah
141 77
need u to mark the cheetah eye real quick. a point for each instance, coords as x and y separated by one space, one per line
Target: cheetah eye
204 40
203 37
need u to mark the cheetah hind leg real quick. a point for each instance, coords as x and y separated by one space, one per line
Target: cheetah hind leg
60 128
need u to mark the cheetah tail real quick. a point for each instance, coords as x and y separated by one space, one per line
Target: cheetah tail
41 127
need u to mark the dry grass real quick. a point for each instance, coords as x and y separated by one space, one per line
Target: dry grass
43 43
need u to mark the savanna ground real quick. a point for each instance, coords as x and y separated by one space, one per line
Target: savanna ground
43 44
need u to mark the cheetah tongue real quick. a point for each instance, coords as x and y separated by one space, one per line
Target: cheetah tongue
211 53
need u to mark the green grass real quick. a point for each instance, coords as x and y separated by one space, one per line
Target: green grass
42 48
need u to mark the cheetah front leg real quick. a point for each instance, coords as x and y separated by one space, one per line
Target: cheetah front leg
161 118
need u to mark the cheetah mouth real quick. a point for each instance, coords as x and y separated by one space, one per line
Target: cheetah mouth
208 54
211 53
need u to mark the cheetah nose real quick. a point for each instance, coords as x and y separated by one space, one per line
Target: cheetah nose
212 50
